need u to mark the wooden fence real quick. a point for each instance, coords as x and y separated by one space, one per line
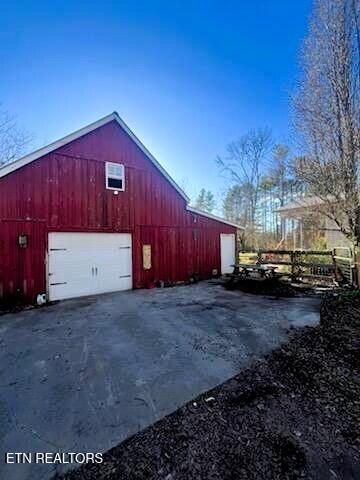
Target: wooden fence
345 264
298 262
340 263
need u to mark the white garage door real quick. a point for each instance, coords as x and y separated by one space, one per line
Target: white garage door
227 249
88 263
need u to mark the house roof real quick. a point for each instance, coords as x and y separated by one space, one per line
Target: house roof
300 206
306 202
31 157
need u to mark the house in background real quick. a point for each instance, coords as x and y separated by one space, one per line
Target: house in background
309 225
95 212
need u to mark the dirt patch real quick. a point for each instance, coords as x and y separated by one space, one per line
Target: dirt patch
269 286
293 415
8 307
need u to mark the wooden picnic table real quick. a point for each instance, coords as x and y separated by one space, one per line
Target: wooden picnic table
245 269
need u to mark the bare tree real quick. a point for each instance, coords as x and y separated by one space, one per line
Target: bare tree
234 204
327 112
13 140
244 164
184 184
279 171
281 180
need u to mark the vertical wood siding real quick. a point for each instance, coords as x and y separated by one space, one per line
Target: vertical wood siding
22 270
65 191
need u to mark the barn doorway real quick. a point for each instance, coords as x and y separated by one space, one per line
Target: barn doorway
227 250
82 264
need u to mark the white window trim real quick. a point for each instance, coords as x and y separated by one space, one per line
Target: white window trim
107 164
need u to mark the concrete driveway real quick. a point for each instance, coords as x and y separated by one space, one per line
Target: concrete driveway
84 374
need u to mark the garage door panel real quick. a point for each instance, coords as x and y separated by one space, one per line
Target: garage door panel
88 263
65 265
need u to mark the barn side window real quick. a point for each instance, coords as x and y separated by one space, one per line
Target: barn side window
115 176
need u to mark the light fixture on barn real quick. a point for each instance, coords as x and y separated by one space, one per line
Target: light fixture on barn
23 240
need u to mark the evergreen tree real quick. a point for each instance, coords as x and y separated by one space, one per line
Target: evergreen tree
205 201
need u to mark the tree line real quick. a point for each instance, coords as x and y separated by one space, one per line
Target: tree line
326 113
262 179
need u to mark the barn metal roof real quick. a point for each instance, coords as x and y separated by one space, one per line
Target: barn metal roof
214 217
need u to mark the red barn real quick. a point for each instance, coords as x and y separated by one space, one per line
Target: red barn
95 212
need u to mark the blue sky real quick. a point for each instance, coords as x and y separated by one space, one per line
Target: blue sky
187 77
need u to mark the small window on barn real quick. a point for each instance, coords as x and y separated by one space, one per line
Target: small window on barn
115 176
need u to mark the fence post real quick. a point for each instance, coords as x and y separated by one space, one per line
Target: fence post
357 265
336 273
295 269
292 260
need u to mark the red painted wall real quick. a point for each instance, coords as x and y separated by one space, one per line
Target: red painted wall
65 191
